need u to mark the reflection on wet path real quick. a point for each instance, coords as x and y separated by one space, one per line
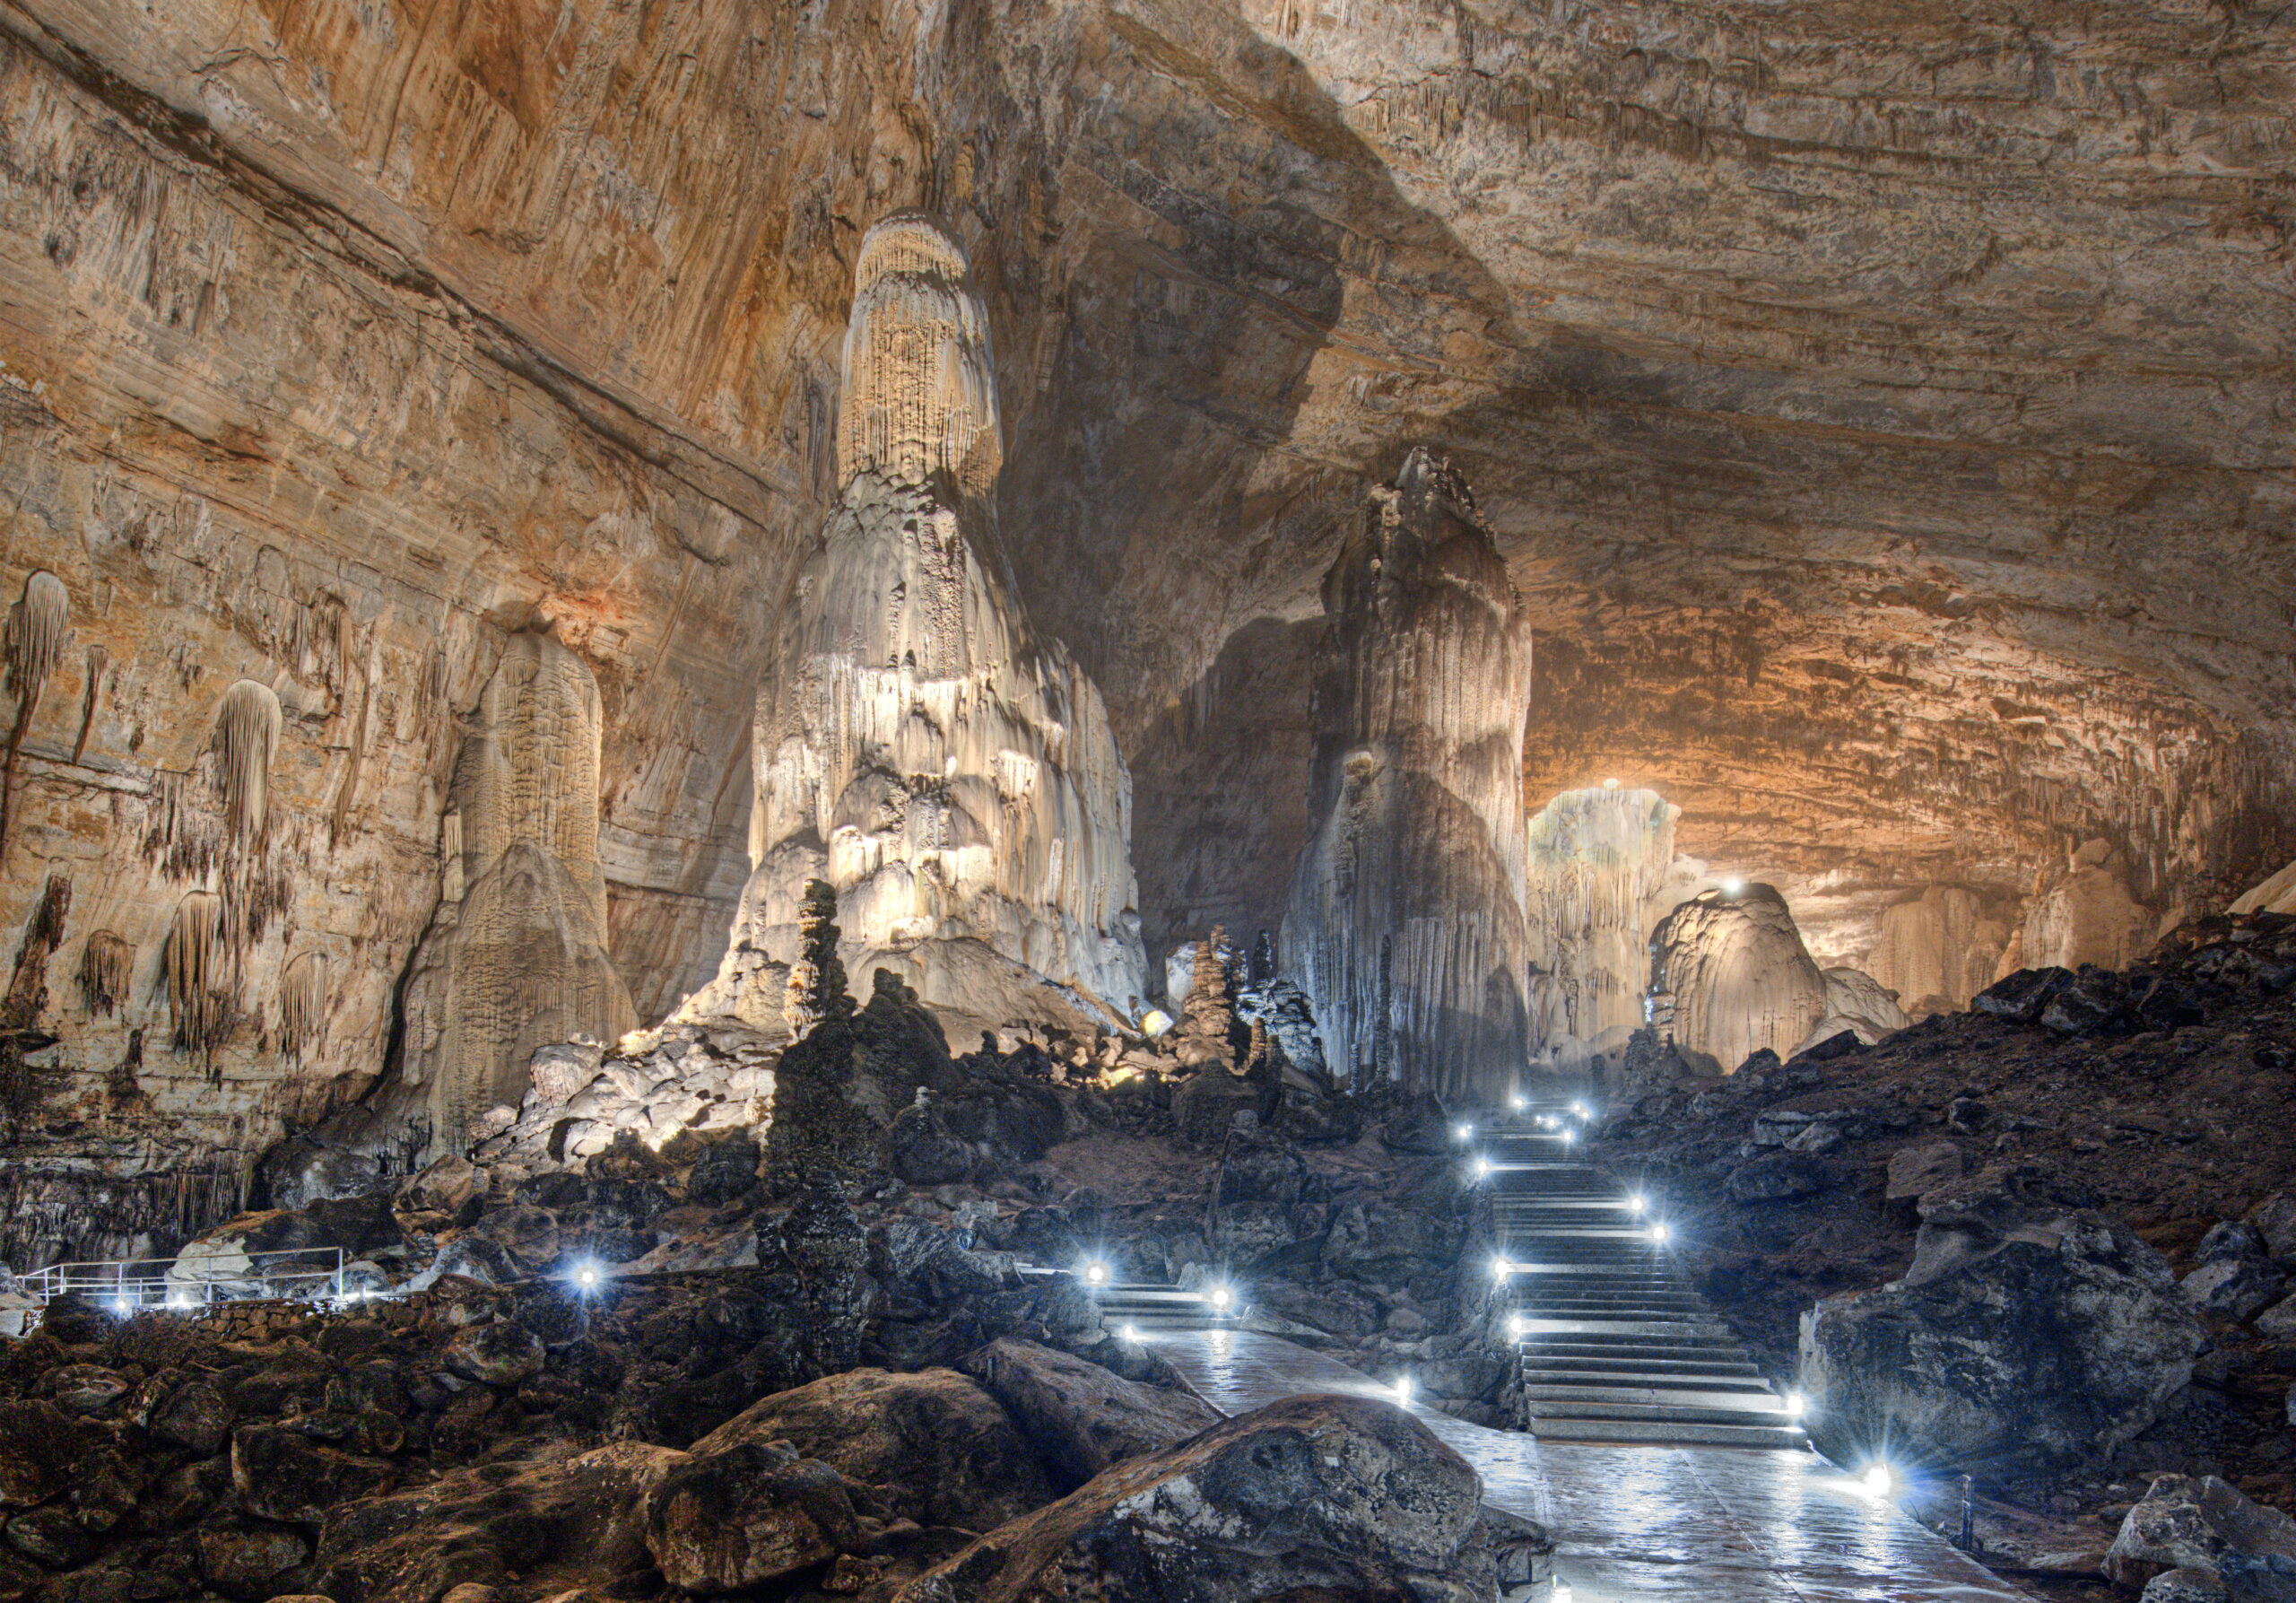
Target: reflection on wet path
1710 1524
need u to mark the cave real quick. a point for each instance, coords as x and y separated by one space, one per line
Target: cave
1146 801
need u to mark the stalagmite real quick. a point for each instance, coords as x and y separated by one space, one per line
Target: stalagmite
951 774
2276 894
247 735
1730 977
518 961
1407 918
198 1002
1598 865
2082 911
106 963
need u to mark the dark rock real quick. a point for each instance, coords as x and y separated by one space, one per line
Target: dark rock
500 1355
1338 1497
194 1415
77 1321
1843 1044
41 1450
1080 1416
733 1520
726 1169
2091 1006
249 1563
2025 1332
2231 1241
84 1389
1205 1106
2024 996
51 1537
1776 1177
2234 1288
2194 1522
279 1473
916 1260
941 1449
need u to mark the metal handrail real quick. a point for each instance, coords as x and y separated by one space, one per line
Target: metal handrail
112 1281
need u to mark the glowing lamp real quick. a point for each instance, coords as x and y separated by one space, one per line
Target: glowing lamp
1130 1333
1518 1324
1877 1479
1636 1203
1580 1110
1734 886
1568 1137
1659 1233
1403 1389
1796 1405
1500 1269
586 1276
1481 1167
1518 1101
1463 1134
1096 1271
1221 1298
122 1307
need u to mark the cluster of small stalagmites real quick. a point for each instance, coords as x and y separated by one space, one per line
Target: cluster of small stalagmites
656 1085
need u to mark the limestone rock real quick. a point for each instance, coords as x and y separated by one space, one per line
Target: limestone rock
1405 926
731 1520
940 1448
2194 1522
949 770
1730 977
1084 1418
1938 950
1311 1496
1857 1003
1600 861
518 961
2276 893
2024 1330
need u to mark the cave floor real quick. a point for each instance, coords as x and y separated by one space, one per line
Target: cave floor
1721 1525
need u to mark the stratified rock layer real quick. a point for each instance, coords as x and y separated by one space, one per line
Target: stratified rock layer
515 958
950 772
1729 977
1405 924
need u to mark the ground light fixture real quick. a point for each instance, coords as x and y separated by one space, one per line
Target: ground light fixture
1095 1271
1221 1298
1568 1137
1403 1390
1582 1110
1518 1101
1637 1203
1131 1333
586 1276
1877 1481
1463 1134
1561 1593
1796 1405
1482 1168
122 1307
1500 1269
1518 1324
1660 1233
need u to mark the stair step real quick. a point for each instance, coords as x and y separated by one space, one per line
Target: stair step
1571 1370
1676 1433
1670 1400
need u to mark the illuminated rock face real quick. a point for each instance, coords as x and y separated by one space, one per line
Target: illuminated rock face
1406 923
1598 868
1729 976
2083 912
1938 950
952 774
515 958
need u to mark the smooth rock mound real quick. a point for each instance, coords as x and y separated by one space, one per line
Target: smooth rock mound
1082 1417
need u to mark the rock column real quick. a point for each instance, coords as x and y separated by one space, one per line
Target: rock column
1599 864
949 772
518 961
1407 918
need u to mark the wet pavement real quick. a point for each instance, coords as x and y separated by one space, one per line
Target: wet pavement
1700 1524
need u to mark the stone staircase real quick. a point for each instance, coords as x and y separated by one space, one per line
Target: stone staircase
1613 1344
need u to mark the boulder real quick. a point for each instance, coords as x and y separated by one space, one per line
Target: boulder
1081 1418
248 1562
1205 1106
281 1474
40 1450
2274 1219
2234 1288
732 1521
2024 996
2193 1524
1316 1497
1916 1171
1776 1177
2026 1331
2184 1586
446 1187
499 1354
194 1415
940 1449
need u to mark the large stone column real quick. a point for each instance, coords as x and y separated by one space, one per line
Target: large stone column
1405 925
1601 859
951 772
515 957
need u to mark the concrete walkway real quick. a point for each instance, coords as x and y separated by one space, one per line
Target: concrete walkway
1634 1524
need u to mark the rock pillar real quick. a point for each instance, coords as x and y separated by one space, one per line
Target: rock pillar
517 960
1599 865
1407 922
918 746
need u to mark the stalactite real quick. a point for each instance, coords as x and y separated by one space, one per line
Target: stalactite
302 1005
91 698
106 963
246 734
33 646
196 953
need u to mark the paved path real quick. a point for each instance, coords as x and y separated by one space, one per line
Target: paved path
1636 1524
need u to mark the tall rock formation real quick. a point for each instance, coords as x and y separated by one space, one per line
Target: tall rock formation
1407 920
951 772
1938 950
515 957
1598 867
1729 977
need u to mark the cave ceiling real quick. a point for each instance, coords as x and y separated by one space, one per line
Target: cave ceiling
1885 412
